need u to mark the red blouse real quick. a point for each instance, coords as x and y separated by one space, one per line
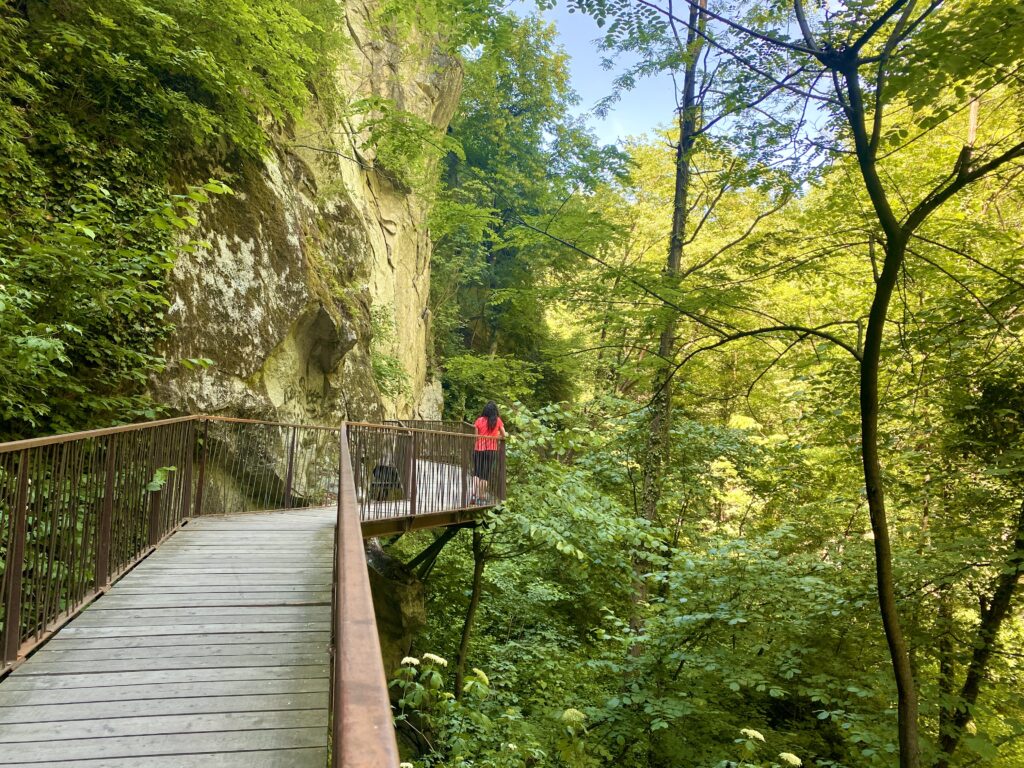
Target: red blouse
482 443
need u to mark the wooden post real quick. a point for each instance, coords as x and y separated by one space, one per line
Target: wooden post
105 525
15 565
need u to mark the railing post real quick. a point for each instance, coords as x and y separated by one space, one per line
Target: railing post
467 468
103 528
290 473
187 452
15 565
154 517
201 482
413 484
500 495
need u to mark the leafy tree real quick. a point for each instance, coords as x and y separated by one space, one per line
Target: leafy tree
522 159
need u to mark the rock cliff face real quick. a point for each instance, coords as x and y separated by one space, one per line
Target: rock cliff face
315 241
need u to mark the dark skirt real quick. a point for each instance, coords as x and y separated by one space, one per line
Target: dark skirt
483 464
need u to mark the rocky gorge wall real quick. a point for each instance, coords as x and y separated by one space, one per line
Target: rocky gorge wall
315 242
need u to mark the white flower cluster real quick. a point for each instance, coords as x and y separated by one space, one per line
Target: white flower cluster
412 661
790 758
750 733
433 659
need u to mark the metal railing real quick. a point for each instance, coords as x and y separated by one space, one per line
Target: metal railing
362 734
404 474
432 425
79 510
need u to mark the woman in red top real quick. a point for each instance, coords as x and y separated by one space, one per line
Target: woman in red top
488 428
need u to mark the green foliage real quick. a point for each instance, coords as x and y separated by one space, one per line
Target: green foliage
476 730
107 109
83 304
388 372
523 159
406 148
471 381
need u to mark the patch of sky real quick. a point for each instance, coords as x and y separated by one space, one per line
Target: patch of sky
638 111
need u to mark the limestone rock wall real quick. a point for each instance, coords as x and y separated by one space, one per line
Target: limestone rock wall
315 241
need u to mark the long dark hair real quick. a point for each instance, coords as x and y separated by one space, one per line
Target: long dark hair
491 414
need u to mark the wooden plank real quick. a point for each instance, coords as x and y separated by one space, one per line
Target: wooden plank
192 629
207 545
264 617
195 615
223 579
313 570
17 733
224 560
229 536
157 601
156 663
276 758
225 600
51 655
268 589
164 744
160 691
20 681
67 642
185 705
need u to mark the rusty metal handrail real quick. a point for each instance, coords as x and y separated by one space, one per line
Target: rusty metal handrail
363 735
433 425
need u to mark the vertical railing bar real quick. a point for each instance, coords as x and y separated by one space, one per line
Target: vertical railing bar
252 472
90 513
74 476
467 461
102 573
56 532
15 564
235 463
130 503
413 479
246 469
30 587
187 454
157 459
204 448
290 471
242 462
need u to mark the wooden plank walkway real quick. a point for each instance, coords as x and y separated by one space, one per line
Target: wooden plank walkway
212 652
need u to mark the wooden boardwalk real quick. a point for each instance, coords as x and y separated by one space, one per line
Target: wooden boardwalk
212 652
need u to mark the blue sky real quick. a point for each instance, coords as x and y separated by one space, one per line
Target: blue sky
639 111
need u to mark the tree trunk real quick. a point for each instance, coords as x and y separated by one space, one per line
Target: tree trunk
905 686
957 718
661 402
474 601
